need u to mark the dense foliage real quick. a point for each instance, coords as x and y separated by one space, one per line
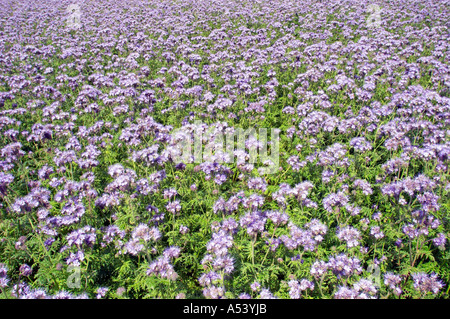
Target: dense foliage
93 204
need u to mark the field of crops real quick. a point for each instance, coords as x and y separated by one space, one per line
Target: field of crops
224 149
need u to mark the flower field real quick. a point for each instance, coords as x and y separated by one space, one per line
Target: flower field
99 100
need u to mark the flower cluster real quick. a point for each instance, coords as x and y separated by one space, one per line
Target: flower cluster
162 266
297 287
308 238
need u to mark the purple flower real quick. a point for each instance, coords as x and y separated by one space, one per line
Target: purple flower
360 144
300 237
5 180
440 240
3 270
266 294
75 259
277 218
12 151
3 276
353 210
377 216
214 292
254 222
345 293
184 229
145 233
19 290
317 229
172 252
229 225
319 268
425 283
174 207
134 246
429 202
257 183
364 186
349 234
301 190
20 244
225 263
36 294
208 279
25 270
410 231
169 193
116 170
220 243
220 179
85 235
253 202
376 232
256 286
161 267
334 200
393 281
365 287
327 175
63 295
341 265
101 292
219 206
296 287
111 232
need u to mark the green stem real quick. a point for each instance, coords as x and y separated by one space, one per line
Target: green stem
268 248
253 250
374 252
320 286
46 251
4 292
410 253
